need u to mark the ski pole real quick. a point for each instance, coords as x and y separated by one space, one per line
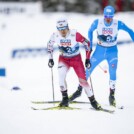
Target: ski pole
52 84
91 84
90 79
104 70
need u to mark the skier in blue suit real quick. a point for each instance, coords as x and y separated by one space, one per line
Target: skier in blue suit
106 48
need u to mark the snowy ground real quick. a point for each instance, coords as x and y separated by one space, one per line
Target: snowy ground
33 76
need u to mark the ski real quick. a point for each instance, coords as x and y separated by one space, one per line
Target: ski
71 108
57 108
104 110
51 102
71 102
107 110
44 102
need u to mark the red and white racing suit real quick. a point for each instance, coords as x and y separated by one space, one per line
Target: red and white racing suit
70 57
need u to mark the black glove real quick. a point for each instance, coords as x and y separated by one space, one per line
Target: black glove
50 63
87 63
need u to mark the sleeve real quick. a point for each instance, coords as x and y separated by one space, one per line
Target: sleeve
90 32
85 42
122 26
50 46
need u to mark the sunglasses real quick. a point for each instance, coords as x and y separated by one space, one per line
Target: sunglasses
108 17
62 28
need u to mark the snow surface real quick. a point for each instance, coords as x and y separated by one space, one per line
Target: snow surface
34 78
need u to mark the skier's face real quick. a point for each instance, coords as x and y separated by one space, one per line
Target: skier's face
108 19
63 32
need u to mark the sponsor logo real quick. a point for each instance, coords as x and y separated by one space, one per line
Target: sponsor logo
107 30
109 10
65 42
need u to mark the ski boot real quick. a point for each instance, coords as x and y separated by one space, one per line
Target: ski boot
112 101
64 102
76 94
94 103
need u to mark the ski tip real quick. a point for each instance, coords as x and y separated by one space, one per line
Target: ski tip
33 108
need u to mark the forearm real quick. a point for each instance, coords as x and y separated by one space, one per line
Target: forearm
50 47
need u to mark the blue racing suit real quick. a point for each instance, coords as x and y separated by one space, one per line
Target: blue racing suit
106 48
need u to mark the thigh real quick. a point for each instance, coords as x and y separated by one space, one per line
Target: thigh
78 67
96 58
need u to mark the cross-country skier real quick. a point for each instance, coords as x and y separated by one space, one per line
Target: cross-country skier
106 48
68 43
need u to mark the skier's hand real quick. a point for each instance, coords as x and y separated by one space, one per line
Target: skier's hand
50 63
87 64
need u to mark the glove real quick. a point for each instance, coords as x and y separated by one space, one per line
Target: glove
87 64
50 63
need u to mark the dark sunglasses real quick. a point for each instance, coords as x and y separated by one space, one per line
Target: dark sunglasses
62 28
108 17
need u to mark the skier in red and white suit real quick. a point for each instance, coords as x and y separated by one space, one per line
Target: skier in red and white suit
68 43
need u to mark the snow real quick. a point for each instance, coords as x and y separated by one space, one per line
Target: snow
34 78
